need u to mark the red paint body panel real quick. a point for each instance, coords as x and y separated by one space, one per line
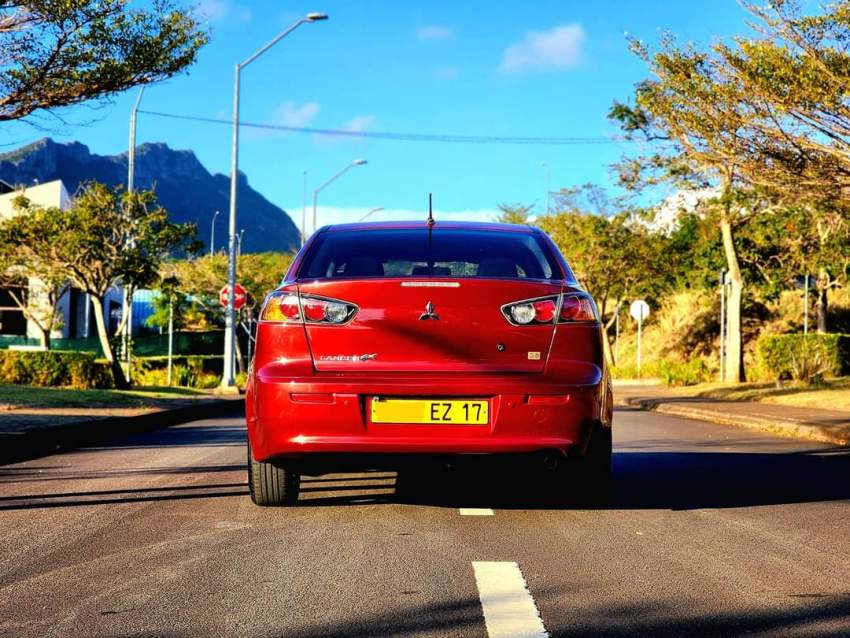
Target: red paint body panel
299 403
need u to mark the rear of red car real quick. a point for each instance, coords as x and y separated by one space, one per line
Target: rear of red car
389 341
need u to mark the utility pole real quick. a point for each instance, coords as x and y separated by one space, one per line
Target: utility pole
228 378
127 300
617 334
337 175
212 233
170 338
304 209
806 304
722 324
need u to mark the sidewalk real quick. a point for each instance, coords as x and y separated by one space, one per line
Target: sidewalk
829 426
29 432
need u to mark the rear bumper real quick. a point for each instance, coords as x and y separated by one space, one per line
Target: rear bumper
329 414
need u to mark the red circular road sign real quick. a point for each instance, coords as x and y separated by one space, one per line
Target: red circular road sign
240 296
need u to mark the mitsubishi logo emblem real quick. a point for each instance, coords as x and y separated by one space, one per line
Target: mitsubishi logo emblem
429 313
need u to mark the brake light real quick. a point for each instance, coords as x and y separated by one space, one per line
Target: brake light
577 308
288 307
569 308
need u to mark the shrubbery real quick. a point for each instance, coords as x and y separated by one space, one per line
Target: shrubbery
52 368
187 371
692 372
803 357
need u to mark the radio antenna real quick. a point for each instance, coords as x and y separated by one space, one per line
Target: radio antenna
430 221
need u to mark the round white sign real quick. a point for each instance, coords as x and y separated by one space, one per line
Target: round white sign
639 310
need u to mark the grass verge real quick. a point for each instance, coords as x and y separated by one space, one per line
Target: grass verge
18 396
832 394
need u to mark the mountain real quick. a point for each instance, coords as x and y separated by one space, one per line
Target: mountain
183 186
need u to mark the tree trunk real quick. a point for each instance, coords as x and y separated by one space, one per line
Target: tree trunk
103 335
43 337
735 352
822 304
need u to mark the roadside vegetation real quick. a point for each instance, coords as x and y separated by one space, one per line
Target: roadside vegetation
741 171
13 397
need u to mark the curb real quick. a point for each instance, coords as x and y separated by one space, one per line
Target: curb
836 435
39 442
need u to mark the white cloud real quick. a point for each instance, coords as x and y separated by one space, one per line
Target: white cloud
343 215
218 10
558 48
290 114
286 114
434 32
357 124
360 123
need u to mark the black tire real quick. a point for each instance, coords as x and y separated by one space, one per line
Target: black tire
593 470
270 483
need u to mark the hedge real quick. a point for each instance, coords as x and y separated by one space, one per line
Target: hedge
803 357
52 368
194 371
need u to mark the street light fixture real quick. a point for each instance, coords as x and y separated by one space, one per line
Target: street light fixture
212 233
357 162
374 210
228 378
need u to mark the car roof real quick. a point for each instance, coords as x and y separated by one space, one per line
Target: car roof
407 225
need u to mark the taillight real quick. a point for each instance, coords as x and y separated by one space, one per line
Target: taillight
568 308
577 308
289 307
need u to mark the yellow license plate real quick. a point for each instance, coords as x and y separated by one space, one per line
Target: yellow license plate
427 411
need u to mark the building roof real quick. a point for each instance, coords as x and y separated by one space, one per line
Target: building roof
48 194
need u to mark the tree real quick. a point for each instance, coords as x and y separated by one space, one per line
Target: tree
110 237
24 240
170 306
612 255
59 53
699 119
204 277
515 214
795 77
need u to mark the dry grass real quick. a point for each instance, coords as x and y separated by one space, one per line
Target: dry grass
832 394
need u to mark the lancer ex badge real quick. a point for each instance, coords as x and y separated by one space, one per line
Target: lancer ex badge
429 313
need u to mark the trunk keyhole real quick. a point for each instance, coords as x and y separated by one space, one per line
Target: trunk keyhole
500 347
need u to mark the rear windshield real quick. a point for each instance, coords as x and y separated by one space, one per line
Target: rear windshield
412 252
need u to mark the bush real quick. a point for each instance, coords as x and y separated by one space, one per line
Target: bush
690 373
803 357
53 368
187 371
648 369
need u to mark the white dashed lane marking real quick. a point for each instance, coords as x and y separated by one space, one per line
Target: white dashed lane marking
476 511
509 609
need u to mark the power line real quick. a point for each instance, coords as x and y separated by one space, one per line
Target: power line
407 137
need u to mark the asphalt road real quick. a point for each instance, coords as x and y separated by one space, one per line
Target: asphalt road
712 531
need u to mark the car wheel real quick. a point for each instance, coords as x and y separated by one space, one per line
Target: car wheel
594 468
270 483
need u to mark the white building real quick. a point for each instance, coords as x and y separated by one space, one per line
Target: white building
76 319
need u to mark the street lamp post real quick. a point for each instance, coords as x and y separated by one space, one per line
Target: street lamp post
212 233
357 162
548 181
228 378
374 210
239 243
127 296
304 209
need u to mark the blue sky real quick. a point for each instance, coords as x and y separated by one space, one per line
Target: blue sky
546 68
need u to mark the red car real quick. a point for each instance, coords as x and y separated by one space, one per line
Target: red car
389 342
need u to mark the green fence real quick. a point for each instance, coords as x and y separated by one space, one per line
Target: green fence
185 343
